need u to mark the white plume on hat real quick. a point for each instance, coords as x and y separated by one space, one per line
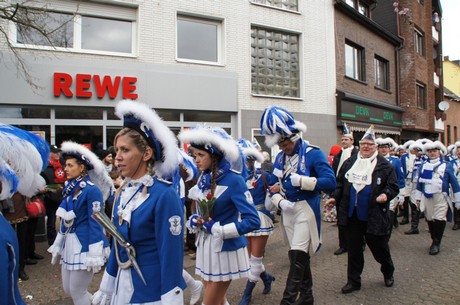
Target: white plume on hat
98 174
408 143
370 134
451 148
167 166
277 123
416 145
249 150
25 160
8 179
206 135
433 145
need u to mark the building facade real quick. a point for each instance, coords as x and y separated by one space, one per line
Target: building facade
367 68
420 78
219 62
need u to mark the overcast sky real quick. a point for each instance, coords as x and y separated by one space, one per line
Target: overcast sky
451 28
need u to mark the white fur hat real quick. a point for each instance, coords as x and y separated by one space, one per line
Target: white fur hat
249 151
160 138
434 145
96 170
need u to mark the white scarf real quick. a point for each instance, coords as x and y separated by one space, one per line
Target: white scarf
346 153
360 174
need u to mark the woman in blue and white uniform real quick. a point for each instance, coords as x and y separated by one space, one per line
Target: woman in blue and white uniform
258 182
433 188
221 246
148 214
80 242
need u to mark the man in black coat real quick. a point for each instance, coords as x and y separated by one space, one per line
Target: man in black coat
365 185
348 150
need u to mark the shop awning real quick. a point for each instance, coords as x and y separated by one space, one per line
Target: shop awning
379 129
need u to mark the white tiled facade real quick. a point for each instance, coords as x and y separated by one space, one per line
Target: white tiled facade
156 50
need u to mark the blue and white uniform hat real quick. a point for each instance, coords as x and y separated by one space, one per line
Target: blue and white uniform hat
370 134
451 149
96 169
434 145
215 141
417 145
249 151
408 144
189 165
386 141
27 154
400 147
277 124
346 132
160 138
8 180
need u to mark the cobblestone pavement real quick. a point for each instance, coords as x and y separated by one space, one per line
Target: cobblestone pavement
419 278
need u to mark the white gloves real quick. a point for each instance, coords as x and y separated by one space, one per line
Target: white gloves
306 183
401 199
287 206
268 203
104 295
95 257
101 298
56 248
283 204
295 179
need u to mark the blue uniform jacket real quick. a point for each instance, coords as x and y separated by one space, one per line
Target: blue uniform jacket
234 201
156 232
397 166
85 227
9 265
258 189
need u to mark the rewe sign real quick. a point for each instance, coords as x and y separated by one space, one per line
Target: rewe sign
85 85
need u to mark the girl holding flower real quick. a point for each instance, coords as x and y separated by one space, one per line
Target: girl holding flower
221 246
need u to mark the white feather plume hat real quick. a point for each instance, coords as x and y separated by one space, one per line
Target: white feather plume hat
434 145
215 140
250 151
96 169
27 155
161 139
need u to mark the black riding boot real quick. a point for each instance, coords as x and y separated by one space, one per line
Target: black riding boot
306 287
415 214
247 293
438 228
456 220
298 260
405 211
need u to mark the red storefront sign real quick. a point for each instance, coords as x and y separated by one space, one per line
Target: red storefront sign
80 86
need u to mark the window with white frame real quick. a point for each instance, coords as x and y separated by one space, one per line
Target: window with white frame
76 32
275 69
419 42
354 61
382 73
291 5
362 6
421 95
199 39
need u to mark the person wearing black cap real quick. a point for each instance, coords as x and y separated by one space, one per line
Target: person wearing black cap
106 158
80 242
147 212
365 186
348 150
55 177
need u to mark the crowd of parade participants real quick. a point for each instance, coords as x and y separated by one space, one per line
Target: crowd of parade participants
126 211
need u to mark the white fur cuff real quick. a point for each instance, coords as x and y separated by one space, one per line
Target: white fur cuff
108 283
276 198
308 183
229 231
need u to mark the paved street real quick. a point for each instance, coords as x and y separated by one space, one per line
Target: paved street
419 277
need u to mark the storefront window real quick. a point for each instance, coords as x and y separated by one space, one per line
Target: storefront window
84 113
87 135
41 130
202 116
24 113
169 114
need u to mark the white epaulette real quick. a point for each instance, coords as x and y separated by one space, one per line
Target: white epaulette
235 171
90 183
310 147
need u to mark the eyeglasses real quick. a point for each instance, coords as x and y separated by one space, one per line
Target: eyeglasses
366 144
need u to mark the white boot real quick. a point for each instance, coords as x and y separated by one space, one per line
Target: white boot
195 287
